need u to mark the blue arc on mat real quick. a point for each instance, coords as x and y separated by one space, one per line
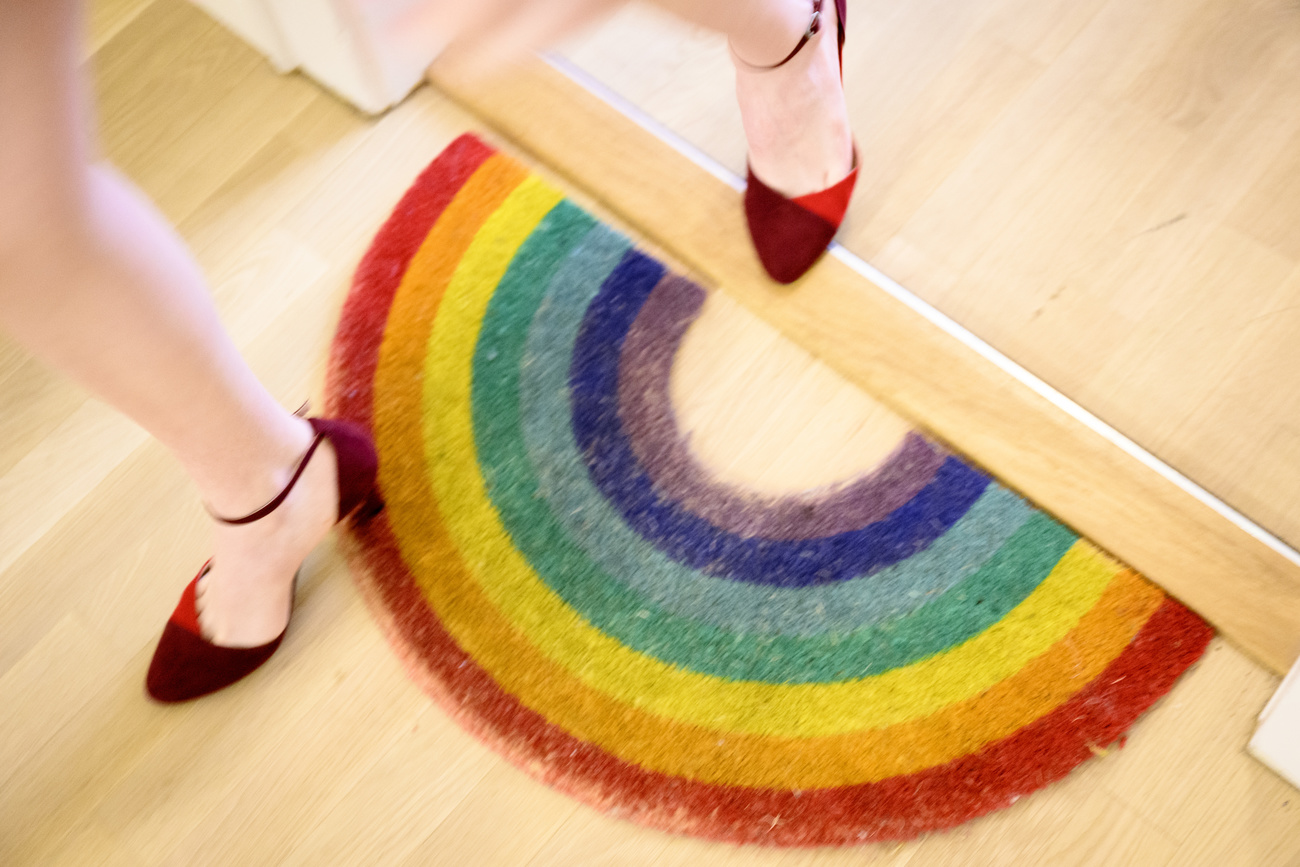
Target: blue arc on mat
617 581
538 378
689 539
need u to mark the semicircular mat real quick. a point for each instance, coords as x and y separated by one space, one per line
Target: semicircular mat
863 662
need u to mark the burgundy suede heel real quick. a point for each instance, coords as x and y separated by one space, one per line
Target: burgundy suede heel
791 234
186 665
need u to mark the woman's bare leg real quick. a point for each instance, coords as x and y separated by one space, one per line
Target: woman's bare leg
795 117
94 282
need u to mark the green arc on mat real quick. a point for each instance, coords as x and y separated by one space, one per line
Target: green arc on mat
566 254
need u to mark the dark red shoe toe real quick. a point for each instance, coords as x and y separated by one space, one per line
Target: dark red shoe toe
790 235
185 665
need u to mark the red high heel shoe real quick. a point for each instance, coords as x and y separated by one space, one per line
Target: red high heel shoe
791 234
185 664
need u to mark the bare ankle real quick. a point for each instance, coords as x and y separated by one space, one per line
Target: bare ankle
243 484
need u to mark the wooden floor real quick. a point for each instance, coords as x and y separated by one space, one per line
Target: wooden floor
329 756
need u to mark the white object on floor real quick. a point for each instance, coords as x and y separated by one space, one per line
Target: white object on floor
1277 739
352 47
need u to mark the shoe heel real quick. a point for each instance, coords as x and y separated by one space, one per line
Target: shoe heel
369 508
358 465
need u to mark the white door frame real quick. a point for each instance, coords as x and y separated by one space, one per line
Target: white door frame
349 46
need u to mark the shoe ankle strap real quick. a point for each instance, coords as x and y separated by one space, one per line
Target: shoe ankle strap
280 497
814 27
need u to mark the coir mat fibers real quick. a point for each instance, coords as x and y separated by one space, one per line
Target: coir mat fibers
869 662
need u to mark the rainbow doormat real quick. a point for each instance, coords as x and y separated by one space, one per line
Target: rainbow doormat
868 662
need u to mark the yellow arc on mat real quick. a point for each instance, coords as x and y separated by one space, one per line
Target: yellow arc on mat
797 710
544 682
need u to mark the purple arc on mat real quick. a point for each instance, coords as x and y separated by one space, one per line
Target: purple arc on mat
614 469
645 405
